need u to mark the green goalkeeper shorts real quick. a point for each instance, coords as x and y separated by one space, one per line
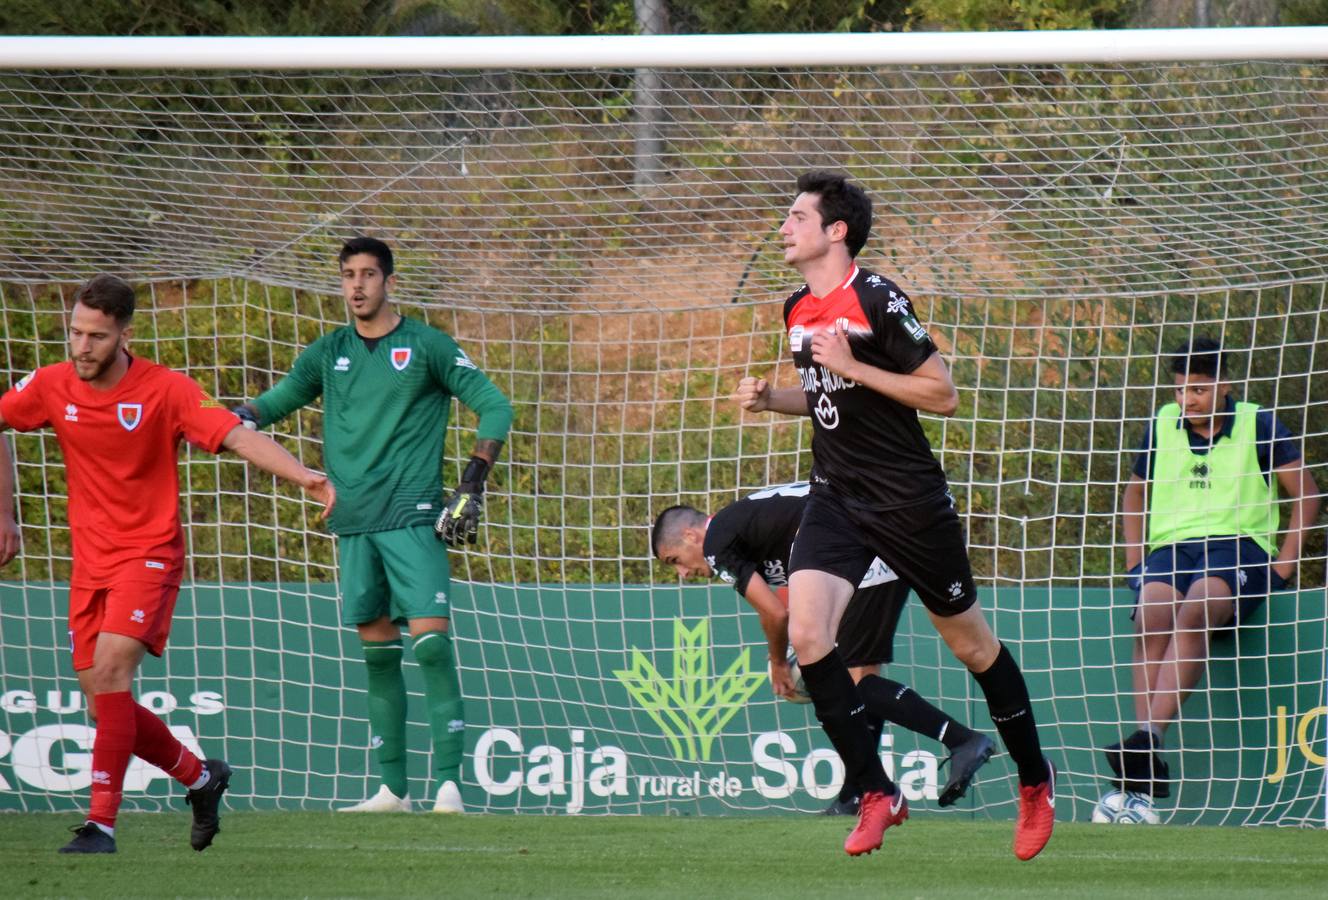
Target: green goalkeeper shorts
402 574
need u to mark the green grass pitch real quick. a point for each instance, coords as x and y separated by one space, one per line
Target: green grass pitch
278 854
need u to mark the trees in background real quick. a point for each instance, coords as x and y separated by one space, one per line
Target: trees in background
464 17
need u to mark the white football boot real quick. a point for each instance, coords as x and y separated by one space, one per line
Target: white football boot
449 799
382 802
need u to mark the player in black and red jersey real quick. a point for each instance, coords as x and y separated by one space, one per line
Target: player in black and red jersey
747 545
866 367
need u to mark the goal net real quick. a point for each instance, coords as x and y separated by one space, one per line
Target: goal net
602 243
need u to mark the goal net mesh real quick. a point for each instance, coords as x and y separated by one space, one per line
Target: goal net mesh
602 243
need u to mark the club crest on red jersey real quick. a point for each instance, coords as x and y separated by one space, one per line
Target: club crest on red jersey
400 357
129 414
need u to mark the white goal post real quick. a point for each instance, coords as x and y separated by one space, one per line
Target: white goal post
663 51
1064 208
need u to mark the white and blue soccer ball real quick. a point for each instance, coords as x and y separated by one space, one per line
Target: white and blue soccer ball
800 694
1125 808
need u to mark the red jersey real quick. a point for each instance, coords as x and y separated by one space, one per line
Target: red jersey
121 450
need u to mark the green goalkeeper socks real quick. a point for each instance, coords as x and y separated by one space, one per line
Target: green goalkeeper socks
387 711
442 690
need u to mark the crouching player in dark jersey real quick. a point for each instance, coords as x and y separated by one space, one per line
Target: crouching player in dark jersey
747 544
119 420
866 367
387 383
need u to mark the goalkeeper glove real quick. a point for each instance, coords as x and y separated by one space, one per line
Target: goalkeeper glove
246 416
460 519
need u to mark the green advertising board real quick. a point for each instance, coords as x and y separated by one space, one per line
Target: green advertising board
585 699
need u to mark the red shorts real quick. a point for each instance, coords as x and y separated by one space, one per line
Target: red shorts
138 607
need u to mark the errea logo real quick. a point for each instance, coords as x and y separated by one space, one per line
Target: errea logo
71 413
136 616
343 364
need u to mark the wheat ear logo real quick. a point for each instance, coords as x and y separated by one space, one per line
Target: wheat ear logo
692 707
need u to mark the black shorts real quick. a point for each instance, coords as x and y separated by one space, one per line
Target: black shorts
923 543
867 631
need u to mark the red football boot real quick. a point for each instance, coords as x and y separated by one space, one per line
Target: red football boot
1037 816
876 812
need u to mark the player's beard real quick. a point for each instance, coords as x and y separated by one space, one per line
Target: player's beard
100 367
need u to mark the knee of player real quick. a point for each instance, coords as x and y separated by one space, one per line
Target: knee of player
977 655
1208 590
111 676
433 648
1159 592
860 672
1199 614
970 640
1155 618
811 639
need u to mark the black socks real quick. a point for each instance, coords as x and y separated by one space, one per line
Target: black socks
844 718
1012 712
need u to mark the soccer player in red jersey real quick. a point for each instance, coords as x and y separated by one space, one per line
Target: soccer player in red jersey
119 420
866 367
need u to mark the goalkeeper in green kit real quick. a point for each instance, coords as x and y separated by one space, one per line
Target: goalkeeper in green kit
387 384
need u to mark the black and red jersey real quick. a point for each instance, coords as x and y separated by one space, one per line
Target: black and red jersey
870 449
754 536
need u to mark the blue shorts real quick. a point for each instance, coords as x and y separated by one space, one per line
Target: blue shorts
1240 562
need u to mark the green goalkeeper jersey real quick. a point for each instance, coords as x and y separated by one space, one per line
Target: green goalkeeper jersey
385 409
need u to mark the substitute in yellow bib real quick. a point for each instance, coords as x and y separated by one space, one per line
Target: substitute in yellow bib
1201 517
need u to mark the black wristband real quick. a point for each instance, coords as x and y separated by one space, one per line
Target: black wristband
474 474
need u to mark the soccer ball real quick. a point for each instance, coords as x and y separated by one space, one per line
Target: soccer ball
1125 808
800 694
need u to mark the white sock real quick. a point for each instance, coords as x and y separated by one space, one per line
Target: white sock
203 779
106 829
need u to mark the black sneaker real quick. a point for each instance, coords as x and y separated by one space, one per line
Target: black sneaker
88 838
842 807
965 761
1139 766
206 802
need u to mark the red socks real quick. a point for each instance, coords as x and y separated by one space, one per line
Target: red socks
156 745
125 729
111 749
